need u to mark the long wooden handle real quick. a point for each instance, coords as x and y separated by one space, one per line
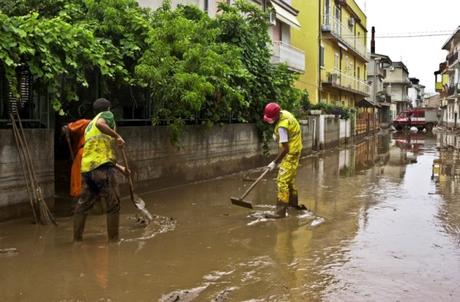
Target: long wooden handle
254 183
27 177
69 143
130 180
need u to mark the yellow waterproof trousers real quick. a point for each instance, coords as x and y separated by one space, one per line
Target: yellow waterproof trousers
286 177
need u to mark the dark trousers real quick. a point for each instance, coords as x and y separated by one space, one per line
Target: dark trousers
100 182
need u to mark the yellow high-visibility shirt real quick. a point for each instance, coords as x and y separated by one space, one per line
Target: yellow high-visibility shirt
98 149
290 123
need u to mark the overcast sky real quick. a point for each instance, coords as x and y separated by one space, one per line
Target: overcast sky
421 55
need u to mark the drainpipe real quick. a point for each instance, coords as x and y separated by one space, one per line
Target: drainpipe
319 50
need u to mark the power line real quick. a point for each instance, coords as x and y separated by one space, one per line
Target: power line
413 36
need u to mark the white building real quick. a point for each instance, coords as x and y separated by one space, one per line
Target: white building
283 19
376 74
397 84
416 92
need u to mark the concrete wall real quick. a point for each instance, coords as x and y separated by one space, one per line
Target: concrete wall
201 154
14 200
331 131
156 162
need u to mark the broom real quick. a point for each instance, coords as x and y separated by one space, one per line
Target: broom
44 215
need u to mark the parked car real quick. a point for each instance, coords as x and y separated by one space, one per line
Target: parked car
422 118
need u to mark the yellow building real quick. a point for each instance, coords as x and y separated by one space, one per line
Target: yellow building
307 39
333 35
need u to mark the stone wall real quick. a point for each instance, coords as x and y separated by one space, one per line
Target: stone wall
14 200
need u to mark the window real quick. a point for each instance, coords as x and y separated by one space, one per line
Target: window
337 22
321 56
326 10
336 61
31 105
359 72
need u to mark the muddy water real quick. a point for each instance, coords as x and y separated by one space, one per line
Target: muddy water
383 226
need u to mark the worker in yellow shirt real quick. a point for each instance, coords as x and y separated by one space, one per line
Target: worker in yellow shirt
287 134
98 166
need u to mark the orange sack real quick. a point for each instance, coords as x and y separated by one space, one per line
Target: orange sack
77 138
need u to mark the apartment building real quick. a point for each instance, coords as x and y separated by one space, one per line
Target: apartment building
379 94
343 54
307 38
397 82
416 92
433 101
283 20
448 82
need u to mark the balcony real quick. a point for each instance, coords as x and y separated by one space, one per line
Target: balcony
340 80
438 87
453 91
452 58
285 53
344 34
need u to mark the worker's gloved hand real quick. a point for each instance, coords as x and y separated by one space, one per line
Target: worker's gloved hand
271 166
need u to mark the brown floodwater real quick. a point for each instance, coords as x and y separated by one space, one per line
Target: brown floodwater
383 225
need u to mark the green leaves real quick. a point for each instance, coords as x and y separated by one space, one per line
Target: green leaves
189 72
195 69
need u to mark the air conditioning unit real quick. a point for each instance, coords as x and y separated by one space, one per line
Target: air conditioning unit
272 18
333 78
351 22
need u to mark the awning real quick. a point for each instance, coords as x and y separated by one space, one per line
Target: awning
285 16
367 104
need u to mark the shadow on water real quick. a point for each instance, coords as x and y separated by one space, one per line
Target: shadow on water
389 233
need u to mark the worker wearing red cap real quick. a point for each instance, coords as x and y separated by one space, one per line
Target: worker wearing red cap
288 135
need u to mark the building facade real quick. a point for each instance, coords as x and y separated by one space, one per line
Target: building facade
448 82
343 54
433 101
397 83
307 38
379 94
416 92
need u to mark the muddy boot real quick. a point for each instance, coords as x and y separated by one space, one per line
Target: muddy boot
294 202
280 211
78 226
112 226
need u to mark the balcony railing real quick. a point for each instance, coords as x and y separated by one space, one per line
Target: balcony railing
453 90
285 53
340 79
452 58
333 25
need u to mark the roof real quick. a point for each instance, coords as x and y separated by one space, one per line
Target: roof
455 35
383 58
400 64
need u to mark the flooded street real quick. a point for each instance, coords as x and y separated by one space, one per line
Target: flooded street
384 225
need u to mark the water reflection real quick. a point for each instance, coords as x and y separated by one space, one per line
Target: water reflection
446 174
385 237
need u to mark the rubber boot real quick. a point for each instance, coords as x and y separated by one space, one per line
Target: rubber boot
78 226
294 202
112 226
280 211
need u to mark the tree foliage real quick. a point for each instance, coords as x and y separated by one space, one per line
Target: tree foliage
189 73
195 68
